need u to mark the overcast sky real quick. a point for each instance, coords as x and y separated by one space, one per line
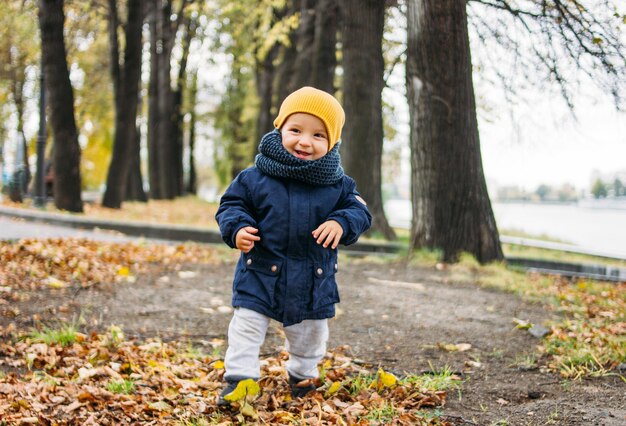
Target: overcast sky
546 145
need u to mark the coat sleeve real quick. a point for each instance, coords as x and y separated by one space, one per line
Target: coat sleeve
351 213
235 210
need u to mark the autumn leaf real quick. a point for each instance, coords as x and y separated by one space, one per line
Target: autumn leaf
244 389
123 271
56 283
385 380
248 411
334 387
455 347
522 324
160 406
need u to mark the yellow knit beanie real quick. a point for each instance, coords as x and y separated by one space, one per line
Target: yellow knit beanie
318 103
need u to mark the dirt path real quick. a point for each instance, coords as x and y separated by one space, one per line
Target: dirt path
392 315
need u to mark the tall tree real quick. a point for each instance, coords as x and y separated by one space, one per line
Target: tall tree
309 56
256 33
325 45
181 90
363 68
306 55
66 159
126 78
191 185
265 72
18 54
548 40
451 207
287 57
162 129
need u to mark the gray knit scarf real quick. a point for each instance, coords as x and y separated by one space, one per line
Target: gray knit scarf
275 160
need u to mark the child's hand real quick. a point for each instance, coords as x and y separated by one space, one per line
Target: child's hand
245 238
329 232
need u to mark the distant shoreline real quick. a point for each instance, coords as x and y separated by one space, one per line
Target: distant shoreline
589 203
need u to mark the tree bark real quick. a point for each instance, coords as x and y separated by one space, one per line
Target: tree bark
451 207
179 93
66 160
153 106
325 45
363 67
312 59
265 72
126 80
134 181
305 36
191 186
287 58
165 135
164 181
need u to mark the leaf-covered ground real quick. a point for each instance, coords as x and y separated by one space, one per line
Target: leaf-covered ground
55 375
106 380
402 317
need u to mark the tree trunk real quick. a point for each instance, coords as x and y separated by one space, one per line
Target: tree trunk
313 58
164 182
191 186
17 90
165 135
239 148
363 68
287 58
305 36
325 45
127 80
179 93
134 181
153 107
265 72
66 160
451 207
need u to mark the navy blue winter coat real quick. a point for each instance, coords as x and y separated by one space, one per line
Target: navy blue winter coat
287 276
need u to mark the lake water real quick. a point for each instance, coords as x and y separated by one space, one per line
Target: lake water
597 229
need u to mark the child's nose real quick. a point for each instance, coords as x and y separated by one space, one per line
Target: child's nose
305 139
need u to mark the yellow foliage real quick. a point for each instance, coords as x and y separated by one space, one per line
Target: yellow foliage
333 388
244 389
385 380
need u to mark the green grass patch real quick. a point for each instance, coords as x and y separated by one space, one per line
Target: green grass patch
125 387
383 414
438 380
360 382
213 419
65 335
513 250
589 340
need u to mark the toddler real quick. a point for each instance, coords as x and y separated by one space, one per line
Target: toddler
287 215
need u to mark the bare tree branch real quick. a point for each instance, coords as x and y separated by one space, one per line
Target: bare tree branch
558 37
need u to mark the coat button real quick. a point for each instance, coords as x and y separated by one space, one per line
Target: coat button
274 268
319 271
336 267
249 262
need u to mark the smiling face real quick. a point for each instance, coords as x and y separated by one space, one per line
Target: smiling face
304 136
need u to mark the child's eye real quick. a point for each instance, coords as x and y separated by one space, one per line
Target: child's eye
320 135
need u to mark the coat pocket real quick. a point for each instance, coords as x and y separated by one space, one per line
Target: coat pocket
325 290
259 278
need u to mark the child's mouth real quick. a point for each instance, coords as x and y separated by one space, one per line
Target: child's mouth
302 155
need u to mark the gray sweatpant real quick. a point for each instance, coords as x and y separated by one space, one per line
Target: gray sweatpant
305 342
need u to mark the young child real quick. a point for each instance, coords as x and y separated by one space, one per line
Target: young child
287 214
